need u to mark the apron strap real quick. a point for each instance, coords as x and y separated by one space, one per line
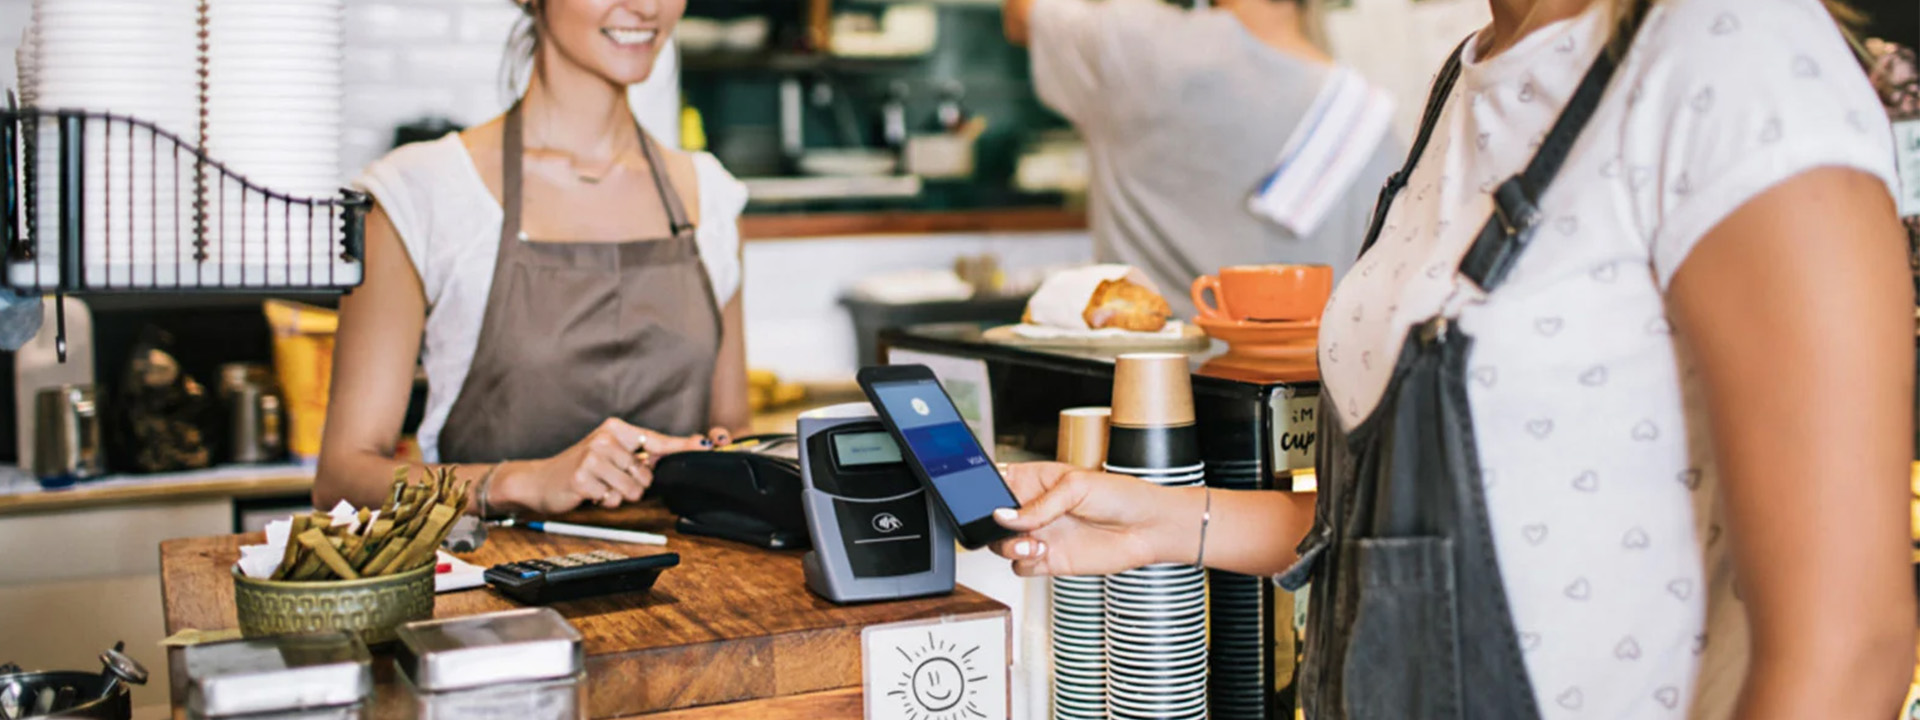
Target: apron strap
1516 209
676 211
511 146
1436 102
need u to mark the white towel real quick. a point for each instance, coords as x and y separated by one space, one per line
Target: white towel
1332 143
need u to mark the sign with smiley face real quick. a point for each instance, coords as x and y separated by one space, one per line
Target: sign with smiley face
952 668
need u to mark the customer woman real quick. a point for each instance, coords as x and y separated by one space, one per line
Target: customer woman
1617 416
562 354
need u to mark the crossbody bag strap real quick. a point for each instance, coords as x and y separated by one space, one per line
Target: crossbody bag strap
1436 102
1516 210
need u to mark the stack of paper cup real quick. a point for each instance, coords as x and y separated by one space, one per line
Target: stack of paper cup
137 58
274 94
1156 616
1079 603
1238 687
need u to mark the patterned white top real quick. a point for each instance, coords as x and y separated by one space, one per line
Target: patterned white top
1600 487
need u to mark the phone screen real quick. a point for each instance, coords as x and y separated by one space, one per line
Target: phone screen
961 473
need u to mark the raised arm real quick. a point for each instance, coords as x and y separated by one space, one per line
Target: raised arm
1799 312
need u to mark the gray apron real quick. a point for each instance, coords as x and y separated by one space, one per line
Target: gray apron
578 332
1408 616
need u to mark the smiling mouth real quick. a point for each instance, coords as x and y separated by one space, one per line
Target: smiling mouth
629 37
937 697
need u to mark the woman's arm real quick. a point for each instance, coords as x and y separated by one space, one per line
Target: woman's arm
1799 312
374 356
728 410
1079 522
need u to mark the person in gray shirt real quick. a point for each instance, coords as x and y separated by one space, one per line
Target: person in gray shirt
1186 114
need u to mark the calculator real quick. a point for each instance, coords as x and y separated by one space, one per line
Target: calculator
576 576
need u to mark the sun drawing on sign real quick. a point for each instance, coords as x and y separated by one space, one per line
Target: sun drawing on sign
941 683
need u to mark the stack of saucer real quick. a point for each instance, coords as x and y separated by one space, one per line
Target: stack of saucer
1238 686
274 95
1156 616
136 58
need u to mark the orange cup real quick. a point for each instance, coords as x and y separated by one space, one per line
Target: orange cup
1269 293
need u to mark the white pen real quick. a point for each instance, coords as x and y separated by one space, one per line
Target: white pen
588 531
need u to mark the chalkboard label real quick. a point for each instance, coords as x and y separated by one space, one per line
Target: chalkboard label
1295 424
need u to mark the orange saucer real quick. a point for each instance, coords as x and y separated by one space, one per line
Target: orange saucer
1285 341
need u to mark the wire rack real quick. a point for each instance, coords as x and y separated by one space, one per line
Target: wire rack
97 202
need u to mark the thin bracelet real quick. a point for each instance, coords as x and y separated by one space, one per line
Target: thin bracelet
486 485
1206 518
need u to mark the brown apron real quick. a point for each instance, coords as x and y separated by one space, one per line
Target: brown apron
578 332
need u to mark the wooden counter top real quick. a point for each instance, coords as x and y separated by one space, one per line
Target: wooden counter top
22 495
732 623
801 226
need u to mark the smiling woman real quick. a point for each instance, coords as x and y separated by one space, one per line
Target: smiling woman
562 355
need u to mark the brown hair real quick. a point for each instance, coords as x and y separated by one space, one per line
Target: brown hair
523 46
1627 13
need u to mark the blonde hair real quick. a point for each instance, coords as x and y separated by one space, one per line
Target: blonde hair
1627 13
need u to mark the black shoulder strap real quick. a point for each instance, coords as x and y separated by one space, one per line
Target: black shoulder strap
1436 101
1516 209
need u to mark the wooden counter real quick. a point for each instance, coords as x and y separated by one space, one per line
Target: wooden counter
22 495
732 623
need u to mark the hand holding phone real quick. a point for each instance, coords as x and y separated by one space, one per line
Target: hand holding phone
941 449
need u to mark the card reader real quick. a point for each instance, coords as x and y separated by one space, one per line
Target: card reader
876 534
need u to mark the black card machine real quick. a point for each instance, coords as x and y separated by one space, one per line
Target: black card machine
747 492
876 534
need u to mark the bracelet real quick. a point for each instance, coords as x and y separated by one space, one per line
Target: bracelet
1206 518
486 485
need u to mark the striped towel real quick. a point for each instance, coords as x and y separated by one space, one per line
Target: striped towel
1333 142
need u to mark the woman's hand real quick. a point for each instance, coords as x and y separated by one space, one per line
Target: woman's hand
1079 522
610 466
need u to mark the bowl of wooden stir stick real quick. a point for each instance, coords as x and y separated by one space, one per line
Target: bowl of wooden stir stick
369 576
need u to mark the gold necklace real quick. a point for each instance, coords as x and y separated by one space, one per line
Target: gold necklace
572 164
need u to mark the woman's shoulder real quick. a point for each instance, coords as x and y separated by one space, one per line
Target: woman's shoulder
722 196
1746 42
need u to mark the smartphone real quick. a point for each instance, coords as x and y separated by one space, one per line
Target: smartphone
941 449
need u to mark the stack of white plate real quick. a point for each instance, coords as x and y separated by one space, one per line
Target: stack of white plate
134 58
1157 633
273 112
1079 648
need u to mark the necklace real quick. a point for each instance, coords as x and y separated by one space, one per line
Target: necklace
586 178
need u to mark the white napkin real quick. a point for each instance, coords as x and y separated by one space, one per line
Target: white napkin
1325 153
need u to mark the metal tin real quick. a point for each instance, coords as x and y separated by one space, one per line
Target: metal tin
524 664
328 674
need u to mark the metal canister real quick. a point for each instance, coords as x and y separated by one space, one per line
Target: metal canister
67 435
525 664
326 676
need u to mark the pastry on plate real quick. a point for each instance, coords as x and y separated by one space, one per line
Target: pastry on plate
1099 297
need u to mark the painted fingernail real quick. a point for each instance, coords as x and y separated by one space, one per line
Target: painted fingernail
1039 548
1006 514
1022 548
706 443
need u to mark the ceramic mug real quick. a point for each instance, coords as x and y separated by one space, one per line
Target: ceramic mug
1265 292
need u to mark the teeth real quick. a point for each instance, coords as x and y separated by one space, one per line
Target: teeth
628 37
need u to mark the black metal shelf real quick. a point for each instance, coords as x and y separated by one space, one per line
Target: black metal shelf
307 259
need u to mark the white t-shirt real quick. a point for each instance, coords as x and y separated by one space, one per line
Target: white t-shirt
1600 489
450 225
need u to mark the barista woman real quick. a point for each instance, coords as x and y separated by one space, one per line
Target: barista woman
570 285
1617 411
